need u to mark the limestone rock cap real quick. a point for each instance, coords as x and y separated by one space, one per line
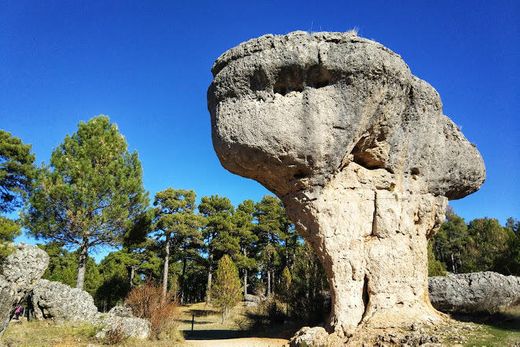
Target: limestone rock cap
290 111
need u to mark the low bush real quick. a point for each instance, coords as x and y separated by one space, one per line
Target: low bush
115 336
146 301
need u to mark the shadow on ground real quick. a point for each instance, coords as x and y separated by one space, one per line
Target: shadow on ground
507 322
282 331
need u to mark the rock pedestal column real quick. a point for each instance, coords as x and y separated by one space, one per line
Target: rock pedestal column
370 232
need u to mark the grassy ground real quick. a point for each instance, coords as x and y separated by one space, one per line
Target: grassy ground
497 330
47 334
36 333
208 324
502 329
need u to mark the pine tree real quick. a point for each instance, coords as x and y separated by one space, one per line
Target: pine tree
16 171
226 289
180 227
16 175
489 242
449 244
90 194
243 222
218 233
270 230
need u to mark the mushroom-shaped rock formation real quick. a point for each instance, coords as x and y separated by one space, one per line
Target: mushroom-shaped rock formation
359 151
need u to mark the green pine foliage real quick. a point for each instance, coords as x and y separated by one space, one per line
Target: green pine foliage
178 225
481 245
91 192
17 172
435 267
226 290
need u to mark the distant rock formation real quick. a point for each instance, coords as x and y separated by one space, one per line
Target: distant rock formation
19 274
361 154
485 292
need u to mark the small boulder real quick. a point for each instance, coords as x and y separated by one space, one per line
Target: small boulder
60 302
310 337
121 311
120 319
474 292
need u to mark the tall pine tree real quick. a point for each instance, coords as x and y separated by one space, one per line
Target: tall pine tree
16 175
91 192
218 233
177 222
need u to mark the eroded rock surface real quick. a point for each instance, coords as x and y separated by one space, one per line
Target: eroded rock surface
19 274
60 302
359 151
485 292
121 319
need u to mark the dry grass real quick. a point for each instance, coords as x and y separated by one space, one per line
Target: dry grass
42 333
208 317
48 334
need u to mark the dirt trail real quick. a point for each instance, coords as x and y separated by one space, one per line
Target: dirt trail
242 342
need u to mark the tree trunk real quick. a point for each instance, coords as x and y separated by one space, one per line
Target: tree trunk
132 275
453 268
208 288
166 267
245 283
268 282
183 279
273 282
245 275
82 264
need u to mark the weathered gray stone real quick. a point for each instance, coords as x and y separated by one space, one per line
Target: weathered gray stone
24 267
7 299
121 311
19 273
310 337
120 318
359 151
475 292
60 302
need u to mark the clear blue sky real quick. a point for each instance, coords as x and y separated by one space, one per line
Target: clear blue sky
147 64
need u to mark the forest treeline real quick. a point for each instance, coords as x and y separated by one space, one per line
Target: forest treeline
90 196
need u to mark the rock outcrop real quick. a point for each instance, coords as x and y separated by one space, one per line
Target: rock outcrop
60 302
19 274
485 292
306 336
359 151
121 319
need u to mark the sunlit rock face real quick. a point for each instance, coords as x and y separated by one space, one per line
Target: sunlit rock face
19 274
360 153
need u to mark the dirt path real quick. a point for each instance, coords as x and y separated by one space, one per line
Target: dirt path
242 342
